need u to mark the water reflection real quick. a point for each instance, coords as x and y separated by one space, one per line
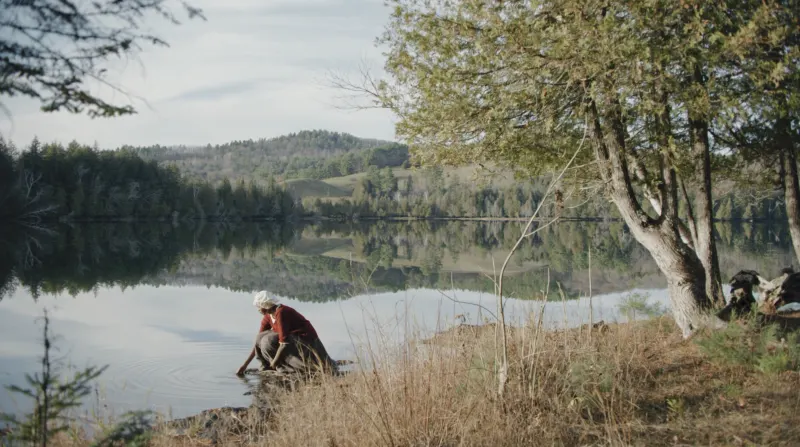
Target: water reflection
337 261
75 258
169 307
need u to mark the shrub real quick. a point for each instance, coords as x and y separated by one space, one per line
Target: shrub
751 347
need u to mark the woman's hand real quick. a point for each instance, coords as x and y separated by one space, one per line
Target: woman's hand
240 371
278 359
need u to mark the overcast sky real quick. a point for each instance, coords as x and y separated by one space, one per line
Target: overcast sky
255 69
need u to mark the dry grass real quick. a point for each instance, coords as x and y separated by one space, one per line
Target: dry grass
633 384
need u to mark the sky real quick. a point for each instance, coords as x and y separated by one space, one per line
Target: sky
255 69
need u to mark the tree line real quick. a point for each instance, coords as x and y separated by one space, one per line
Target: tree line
381 193
50 182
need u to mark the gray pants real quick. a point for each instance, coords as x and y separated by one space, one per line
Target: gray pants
299 355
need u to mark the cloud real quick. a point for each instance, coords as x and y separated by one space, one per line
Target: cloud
213 92
202 335
255 69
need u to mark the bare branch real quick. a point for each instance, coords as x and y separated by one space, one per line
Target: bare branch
480 306
51 48
503 373
361 94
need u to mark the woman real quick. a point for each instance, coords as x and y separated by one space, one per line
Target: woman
285 337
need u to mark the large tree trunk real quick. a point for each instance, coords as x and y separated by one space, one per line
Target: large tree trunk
660 236
705 245
685 275
791 186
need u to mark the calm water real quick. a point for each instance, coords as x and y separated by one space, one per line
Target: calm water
169 309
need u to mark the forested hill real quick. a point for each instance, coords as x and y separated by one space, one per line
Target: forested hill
50 182
307 154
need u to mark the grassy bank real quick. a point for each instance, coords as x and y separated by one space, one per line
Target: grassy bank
628 384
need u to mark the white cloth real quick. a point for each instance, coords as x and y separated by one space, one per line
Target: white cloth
264 300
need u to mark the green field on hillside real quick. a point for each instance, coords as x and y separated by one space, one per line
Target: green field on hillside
315 246
304 187
340 187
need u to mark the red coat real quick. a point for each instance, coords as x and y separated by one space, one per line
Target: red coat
289 322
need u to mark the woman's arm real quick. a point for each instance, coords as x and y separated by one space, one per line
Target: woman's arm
242 369
278 359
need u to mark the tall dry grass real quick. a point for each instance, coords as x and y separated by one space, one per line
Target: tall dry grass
567 388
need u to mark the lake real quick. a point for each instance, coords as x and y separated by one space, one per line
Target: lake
169 308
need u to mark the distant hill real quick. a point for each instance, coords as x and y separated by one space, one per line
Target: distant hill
309 153
310 164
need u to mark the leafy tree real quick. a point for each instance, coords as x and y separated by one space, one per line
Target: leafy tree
388 182
764 131
51 48
523 83
7 171
408 186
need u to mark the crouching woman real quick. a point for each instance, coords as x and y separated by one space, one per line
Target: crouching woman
286 339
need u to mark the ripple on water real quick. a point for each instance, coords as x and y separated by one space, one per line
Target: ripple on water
202 372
